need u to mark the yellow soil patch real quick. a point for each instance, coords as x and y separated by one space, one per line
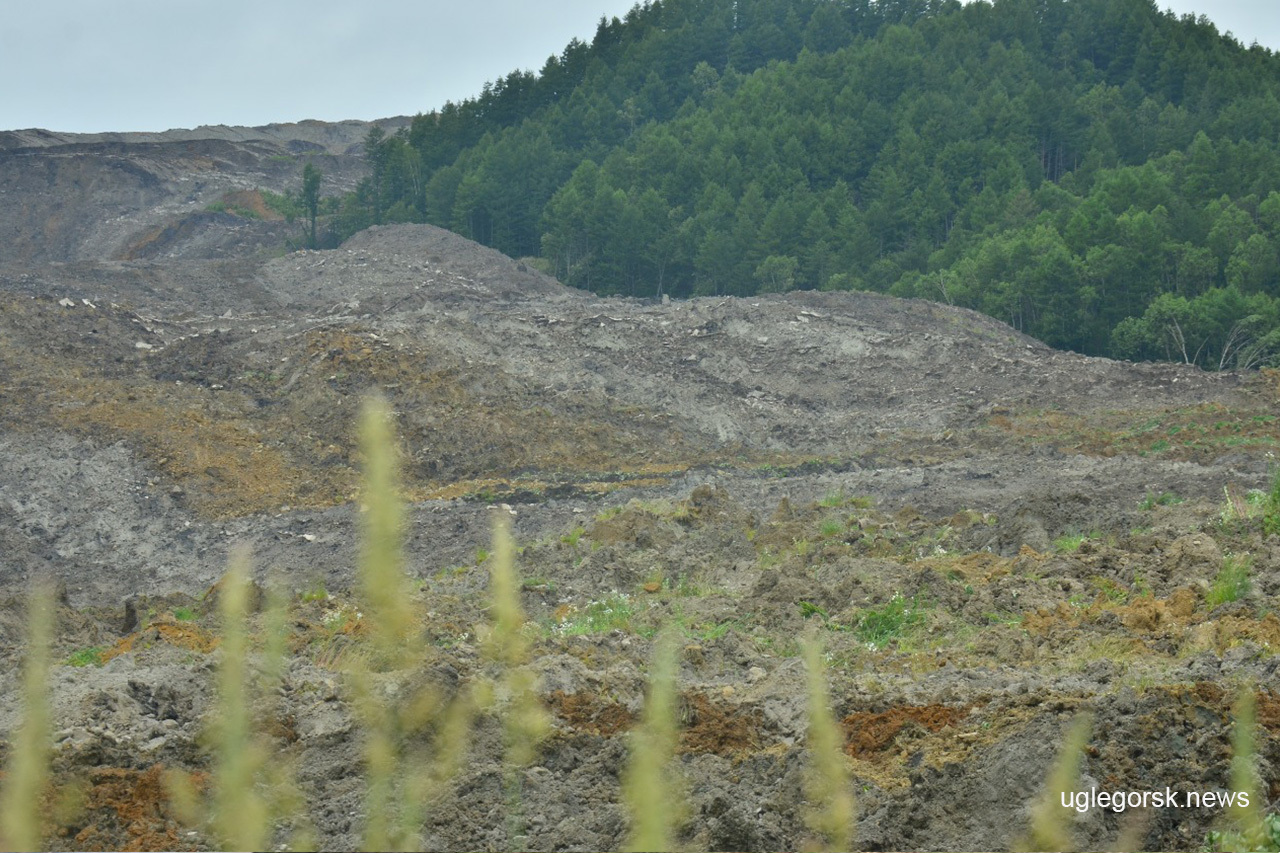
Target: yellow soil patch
184 635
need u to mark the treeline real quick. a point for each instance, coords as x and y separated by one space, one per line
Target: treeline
1098 173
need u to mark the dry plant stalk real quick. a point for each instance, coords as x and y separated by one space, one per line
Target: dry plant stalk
28 770
241 816
1050 821
524 720
1251 830
647 788
827 786
400 779
389 812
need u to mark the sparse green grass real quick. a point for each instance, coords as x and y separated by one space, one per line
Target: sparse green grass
808 609
711 633
830 528
880 626
85 657
184 614
1151 501
612 613
539 583
1069 543
833 500
1271 507
1231 583
316 592
573 536
608 513
1110 590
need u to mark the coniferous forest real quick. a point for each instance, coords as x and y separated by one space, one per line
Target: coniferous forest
1100 174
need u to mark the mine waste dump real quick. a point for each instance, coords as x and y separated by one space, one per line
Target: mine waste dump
871 445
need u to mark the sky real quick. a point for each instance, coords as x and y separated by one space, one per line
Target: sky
145 65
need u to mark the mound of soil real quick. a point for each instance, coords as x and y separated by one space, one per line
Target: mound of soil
988 535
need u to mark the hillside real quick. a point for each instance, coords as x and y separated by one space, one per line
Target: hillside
771 340
1050 530
1101 175
181 193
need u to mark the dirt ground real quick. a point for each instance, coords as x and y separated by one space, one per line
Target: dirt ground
988 535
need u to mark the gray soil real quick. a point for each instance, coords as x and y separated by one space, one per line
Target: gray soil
173 384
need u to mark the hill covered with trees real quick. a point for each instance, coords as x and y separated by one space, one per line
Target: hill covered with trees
1098 173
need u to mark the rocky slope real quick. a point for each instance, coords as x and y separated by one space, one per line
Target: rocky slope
76 197
1035 532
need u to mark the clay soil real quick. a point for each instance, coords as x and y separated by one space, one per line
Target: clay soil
988 536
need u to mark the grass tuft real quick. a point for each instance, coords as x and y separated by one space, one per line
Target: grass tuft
1232 582
86 657
1271 507
879 626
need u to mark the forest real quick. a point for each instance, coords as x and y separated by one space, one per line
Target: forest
1100 174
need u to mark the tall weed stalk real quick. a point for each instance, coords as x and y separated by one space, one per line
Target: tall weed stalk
392 804
28 769
647 788
1050 821
828 786
1249 829
524 720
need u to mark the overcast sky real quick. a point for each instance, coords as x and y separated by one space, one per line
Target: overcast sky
96 65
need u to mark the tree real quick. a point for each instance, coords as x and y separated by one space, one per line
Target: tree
311 200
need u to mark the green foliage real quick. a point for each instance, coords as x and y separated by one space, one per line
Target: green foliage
1271 507
282 203
309 199
1151 501
974 154
1231 583
612 613
808 608
85 657
1265 840
1069 543
316 592
233 209
830 527
878 627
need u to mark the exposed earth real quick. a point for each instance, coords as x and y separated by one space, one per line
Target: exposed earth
988 535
